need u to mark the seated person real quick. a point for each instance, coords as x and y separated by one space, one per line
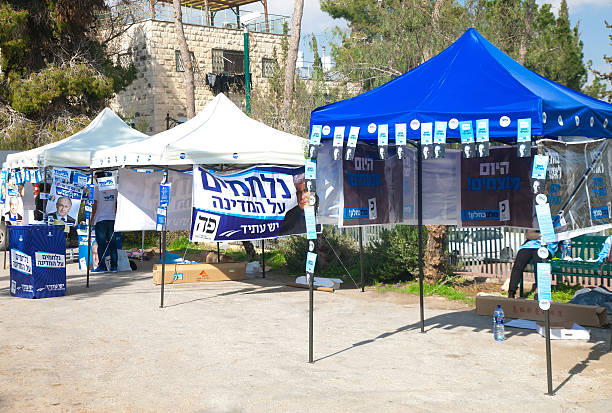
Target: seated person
604 254
63 206
528 252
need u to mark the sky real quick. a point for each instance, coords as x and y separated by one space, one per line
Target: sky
590 14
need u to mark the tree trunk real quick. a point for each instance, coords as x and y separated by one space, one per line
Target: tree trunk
435 259
430 51
294 43
187 63
249 248
524 45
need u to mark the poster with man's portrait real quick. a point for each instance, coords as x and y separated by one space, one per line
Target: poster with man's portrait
12 210
64 202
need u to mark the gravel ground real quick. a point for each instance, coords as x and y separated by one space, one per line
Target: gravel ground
243 347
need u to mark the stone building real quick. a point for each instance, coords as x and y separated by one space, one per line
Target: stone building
156 99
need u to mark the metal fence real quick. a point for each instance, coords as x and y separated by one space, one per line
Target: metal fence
162 11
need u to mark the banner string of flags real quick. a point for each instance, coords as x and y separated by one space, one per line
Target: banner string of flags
475 141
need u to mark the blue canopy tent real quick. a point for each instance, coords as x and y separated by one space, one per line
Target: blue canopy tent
471 79
468 81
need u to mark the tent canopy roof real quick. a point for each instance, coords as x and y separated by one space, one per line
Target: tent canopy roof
220 134
470 80
105 131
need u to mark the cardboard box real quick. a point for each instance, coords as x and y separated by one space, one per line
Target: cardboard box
560 313
566 331
190 273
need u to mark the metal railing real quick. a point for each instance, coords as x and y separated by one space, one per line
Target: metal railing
161 11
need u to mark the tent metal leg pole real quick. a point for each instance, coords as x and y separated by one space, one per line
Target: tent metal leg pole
142 246
163 252
310 317
91 176
420 229
4 259
548 355
361 258
218 252
263 259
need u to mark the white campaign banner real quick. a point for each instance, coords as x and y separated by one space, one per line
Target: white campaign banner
21 262
139 198
259 202
50 260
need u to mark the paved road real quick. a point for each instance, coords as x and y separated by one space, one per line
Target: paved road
242 347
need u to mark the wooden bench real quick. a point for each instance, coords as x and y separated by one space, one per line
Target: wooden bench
578 272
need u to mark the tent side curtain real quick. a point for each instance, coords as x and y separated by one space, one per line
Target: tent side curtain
469 81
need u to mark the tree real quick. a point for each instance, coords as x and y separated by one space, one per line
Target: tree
185 55
601 80
294 43
56 69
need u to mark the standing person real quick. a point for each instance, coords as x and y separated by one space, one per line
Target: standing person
103 217
528 252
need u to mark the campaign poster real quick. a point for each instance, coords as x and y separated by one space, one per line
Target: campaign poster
496 190
577 185
64 197
12 207
256 203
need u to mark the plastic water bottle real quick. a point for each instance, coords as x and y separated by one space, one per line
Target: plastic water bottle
498 324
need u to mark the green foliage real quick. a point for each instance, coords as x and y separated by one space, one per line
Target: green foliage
294 251
55 88
389 37
601 80
395 256
56 69
560 293
182 243
442 288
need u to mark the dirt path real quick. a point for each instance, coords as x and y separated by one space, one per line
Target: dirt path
243 347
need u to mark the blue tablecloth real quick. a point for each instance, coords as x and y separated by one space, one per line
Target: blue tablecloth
38 261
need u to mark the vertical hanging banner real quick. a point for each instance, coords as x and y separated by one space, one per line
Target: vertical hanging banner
467 138
351 143
400 140
259 202
383 141
578 186
482 137
439 139
496 190
523 137
427 140
338 142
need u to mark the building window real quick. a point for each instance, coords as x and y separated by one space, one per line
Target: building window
178 60
227 61
267 67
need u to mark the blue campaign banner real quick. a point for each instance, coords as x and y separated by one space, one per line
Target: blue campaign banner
83 249
38 261
256 203
164 194
544 280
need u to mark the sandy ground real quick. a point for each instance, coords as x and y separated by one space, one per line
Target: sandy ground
243 347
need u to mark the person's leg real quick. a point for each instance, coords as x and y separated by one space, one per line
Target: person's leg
520 262
102 241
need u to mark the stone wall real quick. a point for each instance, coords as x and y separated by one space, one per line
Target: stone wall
159 88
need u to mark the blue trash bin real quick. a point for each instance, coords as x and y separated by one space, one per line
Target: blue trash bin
38 261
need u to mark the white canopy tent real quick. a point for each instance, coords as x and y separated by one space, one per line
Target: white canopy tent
105 131
220 134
